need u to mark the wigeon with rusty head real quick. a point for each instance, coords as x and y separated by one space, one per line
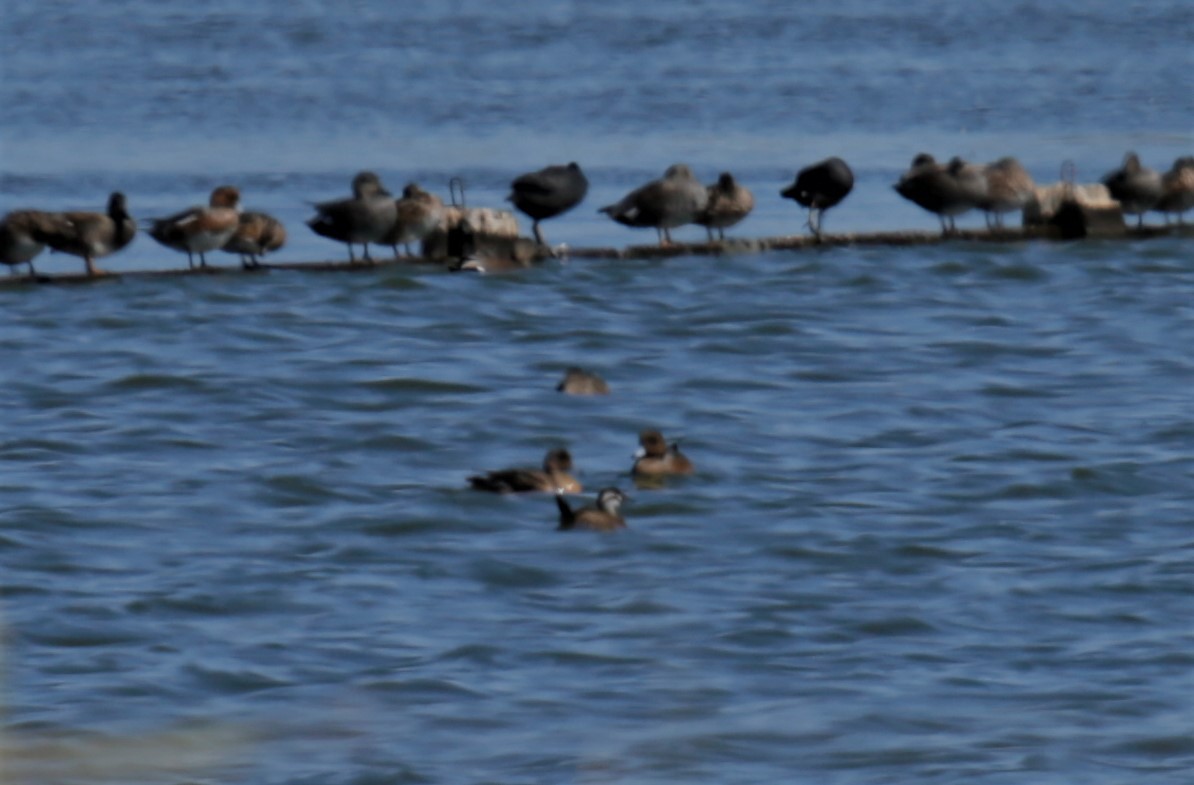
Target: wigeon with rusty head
91 236
367 217
554 477
256 235
198 230
729 202
655 457
604 516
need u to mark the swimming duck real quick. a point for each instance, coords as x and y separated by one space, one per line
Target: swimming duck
1137 188
674 200
551 191
416 215
256 235
655 457
578 381
365 218
946 190
198 230
91 236
728 203
819 187
22 234
1009 189
552 478
604 516
1177 189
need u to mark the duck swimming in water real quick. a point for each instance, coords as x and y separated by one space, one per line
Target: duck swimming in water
655 457
578 381
552 478
604 516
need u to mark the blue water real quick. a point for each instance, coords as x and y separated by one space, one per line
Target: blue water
941 526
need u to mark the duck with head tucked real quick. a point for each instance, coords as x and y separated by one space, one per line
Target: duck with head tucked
551 191
23 233
945 190
1009 189
656 458
819 187
367 217
198 230
1177 189
91 236
256 235
729 202
1136 187
554 477
416 215
676 199
604 516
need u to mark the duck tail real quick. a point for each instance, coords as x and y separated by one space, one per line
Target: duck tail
567 516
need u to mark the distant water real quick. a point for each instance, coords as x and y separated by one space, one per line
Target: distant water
941 526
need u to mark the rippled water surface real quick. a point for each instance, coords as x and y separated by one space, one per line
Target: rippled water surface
940 529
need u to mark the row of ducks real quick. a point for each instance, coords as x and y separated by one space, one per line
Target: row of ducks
655 459
221 225
372 215
1004 186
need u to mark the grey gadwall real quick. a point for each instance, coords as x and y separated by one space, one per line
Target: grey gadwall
945 190
22 235
1136 187
604 516
1009 189
198 230
554 477
819 187
416 215
551 191
256 235
367 217
674 200
578 381
656 457
728 203
91 236
1177 189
